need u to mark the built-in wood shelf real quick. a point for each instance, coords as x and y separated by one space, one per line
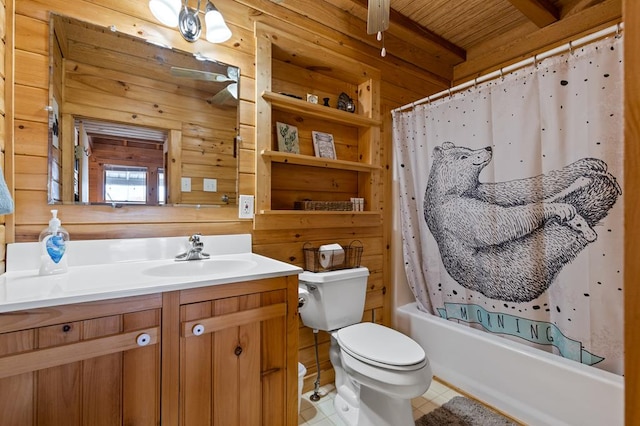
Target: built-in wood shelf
305 219
291 104
308 160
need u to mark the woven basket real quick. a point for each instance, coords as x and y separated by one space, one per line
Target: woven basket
352 258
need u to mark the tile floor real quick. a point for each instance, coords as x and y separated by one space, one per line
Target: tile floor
322 413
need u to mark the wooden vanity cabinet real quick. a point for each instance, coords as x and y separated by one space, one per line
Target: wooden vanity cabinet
237 351
94 363
217 355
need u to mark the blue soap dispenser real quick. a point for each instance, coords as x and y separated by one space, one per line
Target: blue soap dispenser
53 243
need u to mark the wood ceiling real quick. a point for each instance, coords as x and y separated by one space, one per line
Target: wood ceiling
472 37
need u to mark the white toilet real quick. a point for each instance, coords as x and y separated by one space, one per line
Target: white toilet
378 370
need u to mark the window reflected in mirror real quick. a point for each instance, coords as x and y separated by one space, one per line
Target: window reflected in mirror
133 185
117 163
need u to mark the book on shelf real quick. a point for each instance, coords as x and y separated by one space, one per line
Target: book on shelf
323 145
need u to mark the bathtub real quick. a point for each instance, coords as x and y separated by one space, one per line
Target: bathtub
532 386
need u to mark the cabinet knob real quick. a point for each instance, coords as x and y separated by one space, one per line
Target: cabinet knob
66 328
238 350
198 330
143 340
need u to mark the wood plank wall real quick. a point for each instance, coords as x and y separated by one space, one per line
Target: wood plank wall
402 82
4 119
632 211
31 53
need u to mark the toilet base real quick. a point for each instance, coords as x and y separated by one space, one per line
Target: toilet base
376 409
346 411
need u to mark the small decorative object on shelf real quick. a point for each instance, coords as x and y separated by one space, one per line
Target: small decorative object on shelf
323 145
287 138
312 98
326 101
317 259
345 103
291 95
358 204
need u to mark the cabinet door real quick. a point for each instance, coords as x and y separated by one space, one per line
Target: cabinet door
98 371
233 360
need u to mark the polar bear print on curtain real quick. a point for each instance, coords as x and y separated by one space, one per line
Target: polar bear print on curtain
544 141
490 235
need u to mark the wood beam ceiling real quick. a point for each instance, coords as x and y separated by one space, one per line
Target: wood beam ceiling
337 22
510 48
540 12
327 26
403 27
424 47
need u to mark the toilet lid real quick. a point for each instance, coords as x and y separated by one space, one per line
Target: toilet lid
381 344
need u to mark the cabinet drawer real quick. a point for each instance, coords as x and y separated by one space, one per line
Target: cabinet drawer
41 317
53 356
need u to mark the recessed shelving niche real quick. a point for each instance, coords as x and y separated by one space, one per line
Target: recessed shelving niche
292 67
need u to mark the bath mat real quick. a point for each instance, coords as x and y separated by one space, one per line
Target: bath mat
461 411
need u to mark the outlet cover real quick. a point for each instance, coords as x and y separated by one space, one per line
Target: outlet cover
245 208
210 185
185 184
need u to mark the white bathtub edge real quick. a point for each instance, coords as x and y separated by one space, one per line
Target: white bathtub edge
557 391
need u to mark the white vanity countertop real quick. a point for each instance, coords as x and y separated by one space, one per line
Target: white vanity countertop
108 269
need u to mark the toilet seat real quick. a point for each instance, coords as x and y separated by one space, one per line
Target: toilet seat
381 346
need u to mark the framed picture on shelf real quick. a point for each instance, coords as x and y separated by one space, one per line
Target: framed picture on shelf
323 145
287 138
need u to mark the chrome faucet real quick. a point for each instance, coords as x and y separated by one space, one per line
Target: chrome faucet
195 251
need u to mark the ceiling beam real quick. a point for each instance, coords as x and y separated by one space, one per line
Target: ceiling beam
577 6
321 23
401 25
540 12
513 47
405 29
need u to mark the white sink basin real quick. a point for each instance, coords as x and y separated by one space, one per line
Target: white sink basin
110 269
200 267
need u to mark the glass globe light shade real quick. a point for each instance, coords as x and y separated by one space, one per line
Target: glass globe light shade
166 11
217 30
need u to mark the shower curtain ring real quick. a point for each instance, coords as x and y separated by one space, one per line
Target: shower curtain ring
570 48
535 61
618 30
501 74
449 92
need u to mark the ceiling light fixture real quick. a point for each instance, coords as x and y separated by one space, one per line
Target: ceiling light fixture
173 13
217 29
166 11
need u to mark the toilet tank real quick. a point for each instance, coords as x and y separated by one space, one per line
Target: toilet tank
334 299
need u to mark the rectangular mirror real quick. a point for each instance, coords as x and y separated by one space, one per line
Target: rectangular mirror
135 123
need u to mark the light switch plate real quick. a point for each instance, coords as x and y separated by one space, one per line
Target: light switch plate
245 208
185 184
210 185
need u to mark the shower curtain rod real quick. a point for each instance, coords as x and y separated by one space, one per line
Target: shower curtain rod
532 60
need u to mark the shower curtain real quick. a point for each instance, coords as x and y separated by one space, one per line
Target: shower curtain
511 204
